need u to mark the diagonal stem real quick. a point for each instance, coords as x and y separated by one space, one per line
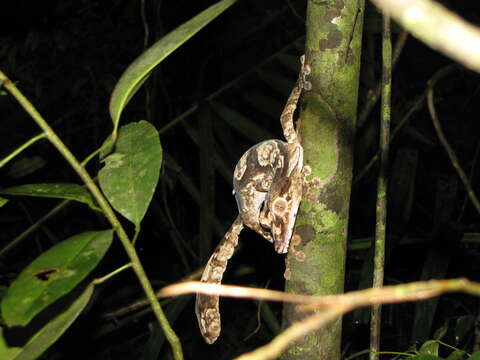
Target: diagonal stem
106 208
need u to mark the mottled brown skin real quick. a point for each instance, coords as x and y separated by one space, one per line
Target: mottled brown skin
207 306
267 182
262 175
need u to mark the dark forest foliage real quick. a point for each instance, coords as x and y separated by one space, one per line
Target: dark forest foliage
236 73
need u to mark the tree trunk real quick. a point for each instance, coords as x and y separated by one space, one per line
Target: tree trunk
316 259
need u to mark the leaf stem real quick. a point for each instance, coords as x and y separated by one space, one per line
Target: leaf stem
21 148
137 232
33 227
106 208
113 273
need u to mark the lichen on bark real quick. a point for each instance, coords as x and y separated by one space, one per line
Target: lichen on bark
333 48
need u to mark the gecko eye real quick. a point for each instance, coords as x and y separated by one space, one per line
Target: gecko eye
279 206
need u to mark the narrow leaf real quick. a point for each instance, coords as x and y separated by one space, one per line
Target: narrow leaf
429 347
47 335
242 124
25 166
456 355
131 173
140 69
425 357
54 190
3 201
53 274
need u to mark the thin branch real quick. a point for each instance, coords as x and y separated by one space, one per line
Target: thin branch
374 94
382 186
299 329
139 304
390 294
295 12
111 274
470 177
330 307
418 103
21 148
444 141
34 227
189 287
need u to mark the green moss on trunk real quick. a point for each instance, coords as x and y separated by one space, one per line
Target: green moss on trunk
316 260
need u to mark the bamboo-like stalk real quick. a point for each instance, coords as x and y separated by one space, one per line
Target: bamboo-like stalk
382 184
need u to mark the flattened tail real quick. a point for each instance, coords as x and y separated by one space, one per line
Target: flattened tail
207 306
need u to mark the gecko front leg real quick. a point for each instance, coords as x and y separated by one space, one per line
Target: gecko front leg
286 118
283 200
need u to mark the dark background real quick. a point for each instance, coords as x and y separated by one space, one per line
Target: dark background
66 57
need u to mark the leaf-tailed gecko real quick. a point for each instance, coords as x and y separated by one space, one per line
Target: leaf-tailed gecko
268 185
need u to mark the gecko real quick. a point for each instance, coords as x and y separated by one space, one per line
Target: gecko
268 183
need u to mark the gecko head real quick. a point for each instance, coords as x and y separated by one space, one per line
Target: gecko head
280 212
284 215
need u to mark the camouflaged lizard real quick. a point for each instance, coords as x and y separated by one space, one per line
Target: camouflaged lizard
268 185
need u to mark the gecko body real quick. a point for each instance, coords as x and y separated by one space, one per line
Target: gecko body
268 183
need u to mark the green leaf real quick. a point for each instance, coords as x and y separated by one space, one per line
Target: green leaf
3 201
47 335
464 326
54 190
25 166
140 69
475 356
53 274
3 291
429 347
441 331
131 173
456 355
425 357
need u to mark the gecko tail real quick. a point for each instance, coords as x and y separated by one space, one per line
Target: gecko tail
207 306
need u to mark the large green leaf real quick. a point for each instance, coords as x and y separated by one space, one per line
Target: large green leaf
47 335
131 173
53 274
456 355
54 190
3 201
475 356
141 67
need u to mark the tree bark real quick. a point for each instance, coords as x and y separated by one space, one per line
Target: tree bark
316 260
